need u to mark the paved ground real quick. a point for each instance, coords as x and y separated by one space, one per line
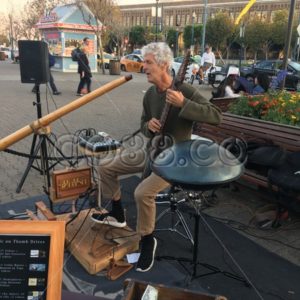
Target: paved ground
116 113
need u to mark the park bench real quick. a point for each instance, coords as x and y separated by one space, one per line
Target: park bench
223 103
247 129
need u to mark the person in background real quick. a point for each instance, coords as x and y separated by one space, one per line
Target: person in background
84 70
51 79
207 60
187 106
86 42
229 87
261 84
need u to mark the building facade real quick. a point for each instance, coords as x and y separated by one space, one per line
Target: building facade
179 13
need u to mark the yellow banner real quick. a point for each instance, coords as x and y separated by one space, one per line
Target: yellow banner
244 11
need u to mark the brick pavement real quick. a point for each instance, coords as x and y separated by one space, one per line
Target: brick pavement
118 113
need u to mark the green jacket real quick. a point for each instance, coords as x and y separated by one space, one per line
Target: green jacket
180 120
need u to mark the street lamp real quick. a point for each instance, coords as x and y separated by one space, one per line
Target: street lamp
177 42
288 40
204 27
242 34
156 20
193 25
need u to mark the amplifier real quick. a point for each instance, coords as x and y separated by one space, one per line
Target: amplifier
101 142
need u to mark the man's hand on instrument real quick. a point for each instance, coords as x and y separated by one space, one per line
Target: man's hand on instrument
175 98
154 125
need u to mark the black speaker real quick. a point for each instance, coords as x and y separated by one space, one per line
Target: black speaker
34 62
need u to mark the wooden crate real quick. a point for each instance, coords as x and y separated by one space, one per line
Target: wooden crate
134 291
95 244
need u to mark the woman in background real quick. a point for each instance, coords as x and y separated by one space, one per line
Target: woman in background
261 84
227 88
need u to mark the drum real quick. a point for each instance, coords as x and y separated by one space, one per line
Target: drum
197 164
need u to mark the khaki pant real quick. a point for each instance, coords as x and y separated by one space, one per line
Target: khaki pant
203 68
127 162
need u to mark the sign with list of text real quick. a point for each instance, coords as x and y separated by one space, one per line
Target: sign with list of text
24 266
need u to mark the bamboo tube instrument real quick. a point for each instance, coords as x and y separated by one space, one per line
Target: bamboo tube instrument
53 116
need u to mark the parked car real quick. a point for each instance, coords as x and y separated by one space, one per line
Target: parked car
132 63
7 51
218 73
191 70
272 67
137 51
106 57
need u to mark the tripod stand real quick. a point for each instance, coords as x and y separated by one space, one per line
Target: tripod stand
194 262
39 144
177 217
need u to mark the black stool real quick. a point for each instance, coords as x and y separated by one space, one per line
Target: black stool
198 165
174 198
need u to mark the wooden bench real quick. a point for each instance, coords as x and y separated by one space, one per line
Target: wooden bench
223 103
287 137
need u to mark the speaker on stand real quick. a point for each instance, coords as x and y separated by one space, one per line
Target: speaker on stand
34 68
34 62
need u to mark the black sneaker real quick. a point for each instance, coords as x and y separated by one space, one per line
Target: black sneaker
56 93
108 219
146 259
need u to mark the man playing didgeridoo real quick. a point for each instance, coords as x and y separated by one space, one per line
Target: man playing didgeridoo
187 106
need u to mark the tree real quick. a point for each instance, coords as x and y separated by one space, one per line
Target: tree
137 36
187 35
33 11
171 38
279 29
3 39
103 17
218 30
117 32
198 36
258 36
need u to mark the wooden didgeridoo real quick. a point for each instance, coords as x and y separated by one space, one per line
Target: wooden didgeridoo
47 119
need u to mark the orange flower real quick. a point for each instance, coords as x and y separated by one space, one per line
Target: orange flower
253 104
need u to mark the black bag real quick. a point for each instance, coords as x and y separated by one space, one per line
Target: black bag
287 179
287 176
75 54
51 60
264 154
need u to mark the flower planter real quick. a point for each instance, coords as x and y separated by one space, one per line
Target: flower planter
276 106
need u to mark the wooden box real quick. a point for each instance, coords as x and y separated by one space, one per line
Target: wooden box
134 291
94 245
70 183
